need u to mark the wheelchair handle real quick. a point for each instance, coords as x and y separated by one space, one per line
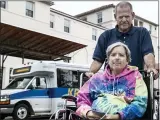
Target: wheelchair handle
81 79
152 89
82 76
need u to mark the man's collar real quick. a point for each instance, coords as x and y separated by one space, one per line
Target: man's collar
130 32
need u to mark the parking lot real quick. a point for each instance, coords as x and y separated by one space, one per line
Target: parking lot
33 118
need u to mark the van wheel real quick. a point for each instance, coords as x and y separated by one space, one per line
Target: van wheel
21 112
2 117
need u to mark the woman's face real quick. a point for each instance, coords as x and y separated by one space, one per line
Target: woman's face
117 59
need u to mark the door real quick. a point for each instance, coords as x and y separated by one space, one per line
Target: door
40 100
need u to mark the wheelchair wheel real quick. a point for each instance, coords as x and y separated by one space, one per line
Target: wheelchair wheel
155 114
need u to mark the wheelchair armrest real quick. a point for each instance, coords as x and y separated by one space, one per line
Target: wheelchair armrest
69 97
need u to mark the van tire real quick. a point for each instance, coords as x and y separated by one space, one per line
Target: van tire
21 109
2 117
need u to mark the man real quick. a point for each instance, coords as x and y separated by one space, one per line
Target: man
136 38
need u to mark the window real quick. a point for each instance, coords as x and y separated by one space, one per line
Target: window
135 22
51 21
38 83
150 29
140 23
99 16
68 78
66 25
29 8
1 75
3 4
19 83
84 18
10 78
158 47
94 34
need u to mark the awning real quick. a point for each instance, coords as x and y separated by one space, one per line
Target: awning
20 42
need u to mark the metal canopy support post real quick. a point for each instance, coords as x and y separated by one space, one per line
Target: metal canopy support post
2 60
1 77
22 58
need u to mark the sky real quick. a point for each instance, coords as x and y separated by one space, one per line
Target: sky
145 9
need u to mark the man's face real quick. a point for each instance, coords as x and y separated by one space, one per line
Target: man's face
124 17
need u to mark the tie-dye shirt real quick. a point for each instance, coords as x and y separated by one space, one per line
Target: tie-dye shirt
125 94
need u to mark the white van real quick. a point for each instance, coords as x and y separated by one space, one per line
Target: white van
37 88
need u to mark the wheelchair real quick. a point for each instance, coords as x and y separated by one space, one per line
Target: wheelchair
68 112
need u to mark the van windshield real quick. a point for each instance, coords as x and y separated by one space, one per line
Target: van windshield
19 83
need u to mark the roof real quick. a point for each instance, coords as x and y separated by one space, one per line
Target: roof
145 20
19 42
95 10
107 7
77 19
48 2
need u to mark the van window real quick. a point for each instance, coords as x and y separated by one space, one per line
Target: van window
68 78
42 83
19 83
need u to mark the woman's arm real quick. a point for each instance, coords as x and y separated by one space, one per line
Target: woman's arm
83 100
86 95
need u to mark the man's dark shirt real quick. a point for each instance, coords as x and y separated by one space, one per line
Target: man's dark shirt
137 39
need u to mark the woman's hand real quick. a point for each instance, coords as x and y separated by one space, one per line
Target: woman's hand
112 117
92 115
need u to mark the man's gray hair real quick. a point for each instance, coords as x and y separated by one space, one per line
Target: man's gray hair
123 4
112 46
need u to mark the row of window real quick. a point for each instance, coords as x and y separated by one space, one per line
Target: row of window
99 18
29 7
67 26
65 78
30 12
69 78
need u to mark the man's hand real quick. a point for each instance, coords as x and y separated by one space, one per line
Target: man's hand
154 71
89 74
151 69
95 66
150 65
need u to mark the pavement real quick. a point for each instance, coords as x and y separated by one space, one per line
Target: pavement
33 118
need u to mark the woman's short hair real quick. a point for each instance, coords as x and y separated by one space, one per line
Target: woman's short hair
112 46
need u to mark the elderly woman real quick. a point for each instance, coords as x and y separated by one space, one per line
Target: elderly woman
117 93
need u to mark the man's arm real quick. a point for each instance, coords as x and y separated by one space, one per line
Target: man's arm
99 55
95 66
148 53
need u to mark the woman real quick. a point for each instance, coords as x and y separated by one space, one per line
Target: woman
117 93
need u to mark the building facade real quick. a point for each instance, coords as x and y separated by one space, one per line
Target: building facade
83 29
